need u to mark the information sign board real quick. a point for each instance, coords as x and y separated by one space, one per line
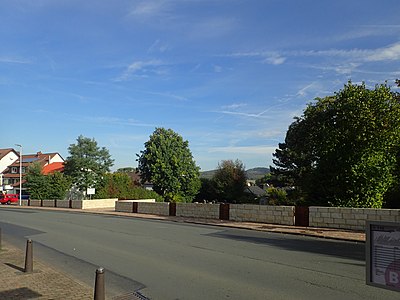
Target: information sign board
383 254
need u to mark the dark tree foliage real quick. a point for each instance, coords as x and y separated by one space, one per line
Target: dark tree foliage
230 180
51 186
168 163
343 150
120 185
87 163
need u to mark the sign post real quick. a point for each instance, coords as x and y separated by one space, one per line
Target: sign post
90 192
383 254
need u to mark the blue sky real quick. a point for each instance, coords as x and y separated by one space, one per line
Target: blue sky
227 75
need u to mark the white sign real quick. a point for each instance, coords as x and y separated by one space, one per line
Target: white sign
91 191
383 255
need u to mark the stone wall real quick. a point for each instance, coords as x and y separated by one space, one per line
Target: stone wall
124 206
283 215
93 204
49 203
34 202
350 218
63 203
197 210
158 208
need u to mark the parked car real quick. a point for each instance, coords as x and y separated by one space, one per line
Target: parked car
9 198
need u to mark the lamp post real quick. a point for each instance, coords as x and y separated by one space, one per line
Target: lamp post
20 173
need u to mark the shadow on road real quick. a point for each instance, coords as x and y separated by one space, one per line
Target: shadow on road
349 250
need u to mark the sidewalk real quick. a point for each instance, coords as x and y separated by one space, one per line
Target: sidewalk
48 283
43 283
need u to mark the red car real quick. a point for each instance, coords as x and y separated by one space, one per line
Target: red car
9 198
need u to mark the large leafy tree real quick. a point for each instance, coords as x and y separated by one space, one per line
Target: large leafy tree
343 149
51 186
168 163
87 163
120 185
230 180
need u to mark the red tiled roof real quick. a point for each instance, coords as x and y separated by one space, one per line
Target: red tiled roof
53 167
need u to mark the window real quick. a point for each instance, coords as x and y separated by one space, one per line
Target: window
14 170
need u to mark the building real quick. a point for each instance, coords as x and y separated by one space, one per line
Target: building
50 162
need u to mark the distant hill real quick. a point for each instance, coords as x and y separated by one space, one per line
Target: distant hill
254 173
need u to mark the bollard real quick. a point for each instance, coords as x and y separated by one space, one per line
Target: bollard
99 287
29 257
0 238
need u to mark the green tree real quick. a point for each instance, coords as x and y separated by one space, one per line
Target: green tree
343 150
58 185
36 182
120 185
230 180
207 190
168 163
51 186
87 163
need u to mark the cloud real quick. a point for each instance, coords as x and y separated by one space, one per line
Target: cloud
169 95
234 106
267 57
140 67
104 120
158 46
13 60
391 52
260 149
150 8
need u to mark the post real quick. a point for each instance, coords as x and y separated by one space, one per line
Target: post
0 238
20 173
29 257
99 287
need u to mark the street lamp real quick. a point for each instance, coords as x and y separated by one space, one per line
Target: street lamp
20 173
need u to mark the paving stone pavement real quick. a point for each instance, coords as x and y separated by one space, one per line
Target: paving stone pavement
43 283
48 283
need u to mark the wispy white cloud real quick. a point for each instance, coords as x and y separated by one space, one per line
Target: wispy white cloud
104 120
392 52
259 149
14 60
141 67
267 57
234 106
158 46
366 31
169 95
212 27
150 8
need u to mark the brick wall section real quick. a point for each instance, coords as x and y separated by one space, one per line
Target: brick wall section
198 210
35 202
158 208
350 218
124 206
63 203
283 215
48 203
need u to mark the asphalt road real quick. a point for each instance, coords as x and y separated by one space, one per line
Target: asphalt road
166 260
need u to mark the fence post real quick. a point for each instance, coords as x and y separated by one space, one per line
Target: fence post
28 257
99 287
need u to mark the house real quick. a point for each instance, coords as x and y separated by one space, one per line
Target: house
50 162
7 157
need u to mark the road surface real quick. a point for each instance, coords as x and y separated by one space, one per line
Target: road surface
166 260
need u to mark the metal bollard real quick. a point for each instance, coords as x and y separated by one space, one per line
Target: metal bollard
99 287
29 257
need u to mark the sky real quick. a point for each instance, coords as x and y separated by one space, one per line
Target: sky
229 76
